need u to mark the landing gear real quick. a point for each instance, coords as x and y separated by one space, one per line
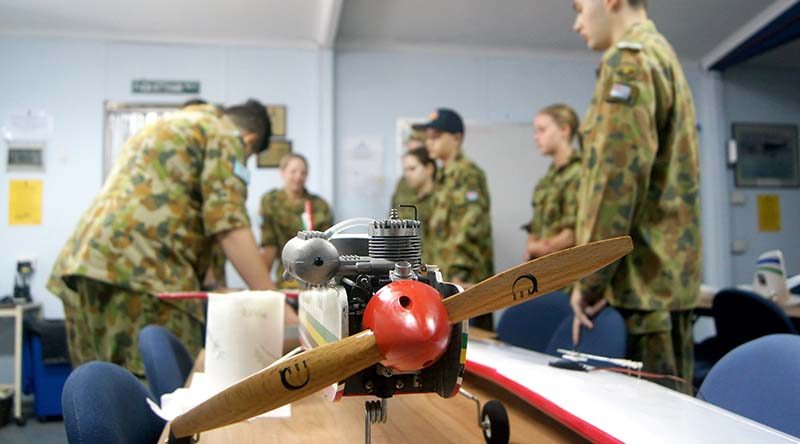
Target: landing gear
492 419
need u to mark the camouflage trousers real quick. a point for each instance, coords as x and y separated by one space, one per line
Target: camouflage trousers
662 340
103 323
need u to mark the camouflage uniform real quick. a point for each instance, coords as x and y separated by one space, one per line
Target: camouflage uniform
405 195
460 225
217 268
281 220
640 178
175 185
555 199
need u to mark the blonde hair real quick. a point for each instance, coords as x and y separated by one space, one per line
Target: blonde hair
288 157
564 115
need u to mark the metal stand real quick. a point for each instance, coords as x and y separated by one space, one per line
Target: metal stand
472 397
374 412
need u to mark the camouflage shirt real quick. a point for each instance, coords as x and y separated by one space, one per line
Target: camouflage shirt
555 199
640 176
460 223
404 195
175 185
281 219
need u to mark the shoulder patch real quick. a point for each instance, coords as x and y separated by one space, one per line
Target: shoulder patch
241 171
630 46
472 196
621 93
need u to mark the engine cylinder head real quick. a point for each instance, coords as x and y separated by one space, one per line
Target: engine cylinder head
396 240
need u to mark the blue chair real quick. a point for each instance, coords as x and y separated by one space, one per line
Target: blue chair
531 324
758 380
167 364
105 403
739 317
608 338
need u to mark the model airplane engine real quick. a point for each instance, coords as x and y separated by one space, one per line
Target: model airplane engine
340 272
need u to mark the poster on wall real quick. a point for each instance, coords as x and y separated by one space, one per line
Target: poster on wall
271 158
769 213
767 155
25 202
277 117
363 169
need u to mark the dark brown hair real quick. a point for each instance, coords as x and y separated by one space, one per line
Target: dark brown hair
252 117
422 155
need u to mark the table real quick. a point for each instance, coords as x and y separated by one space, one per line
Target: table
599 406
412 419
18 313
707 293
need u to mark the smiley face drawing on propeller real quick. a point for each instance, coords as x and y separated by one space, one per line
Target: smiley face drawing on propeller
425 318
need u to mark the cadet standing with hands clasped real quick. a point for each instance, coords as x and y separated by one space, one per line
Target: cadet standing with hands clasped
555 198
177 187
640 178
460 224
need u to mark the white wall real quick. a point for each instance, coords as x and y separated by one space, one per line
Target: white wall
71 79
762 96
374 88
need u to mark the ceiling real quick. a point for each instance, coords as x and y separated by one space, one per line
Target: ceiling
268 22
786 56
694 27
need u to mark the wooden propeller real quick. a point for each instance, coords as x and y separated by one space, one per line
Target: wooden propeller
310 371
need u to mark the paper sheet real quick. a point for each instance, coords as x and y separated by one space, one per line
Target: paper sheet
244 334
24 202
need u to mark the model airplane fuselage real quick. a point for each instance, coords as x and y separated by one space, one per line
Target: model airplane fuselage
342 272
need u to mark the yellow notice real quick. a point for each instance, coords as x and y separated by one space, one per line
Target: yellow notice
25 202
769 212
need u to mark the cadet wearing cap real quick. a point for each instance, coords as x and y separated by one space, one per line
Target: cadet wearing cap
640 178
177 187
460 222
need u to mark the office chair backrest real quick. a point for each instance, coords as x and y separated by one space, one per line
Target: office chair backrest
758 380
608 337
105 403
167 364
741 316
531 324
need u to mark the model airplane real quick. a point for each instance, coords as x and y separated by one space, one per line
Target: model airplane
382 323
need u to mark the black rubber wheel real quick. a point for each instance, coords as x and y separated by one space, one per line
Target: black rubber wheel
20 421
498 431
